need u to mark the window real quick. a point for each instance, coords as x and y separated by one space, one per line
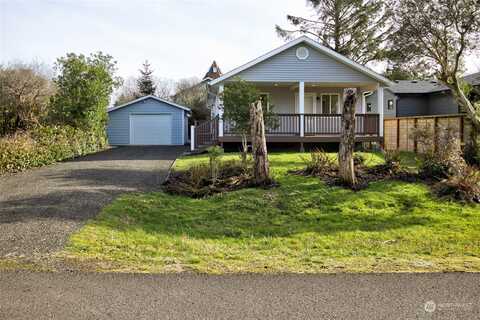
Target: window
369 107
330 103
265 99
390 104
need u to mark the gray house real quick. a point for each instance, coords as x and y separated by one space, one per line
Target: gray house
304 82
148 121
418 98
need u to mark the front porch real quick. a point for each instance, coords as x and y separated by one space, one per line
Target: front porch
311 128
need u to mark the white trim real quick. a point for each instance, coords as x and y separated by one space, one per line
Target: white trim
219 107
380 107
338 111
317 46
149 97
192 139
301 106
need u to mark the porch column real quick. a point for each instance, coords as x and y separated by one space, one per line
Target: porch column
219 107
301 106
380 108
364 102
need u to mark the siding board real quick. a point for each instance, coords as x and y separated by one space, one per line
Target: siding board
286 67
118 128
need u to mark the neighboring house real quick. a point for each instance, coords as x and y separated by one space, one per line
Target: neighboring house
304 82
148 121
419 98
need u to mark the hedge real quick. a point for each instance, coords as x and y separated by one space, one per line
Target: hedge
47 145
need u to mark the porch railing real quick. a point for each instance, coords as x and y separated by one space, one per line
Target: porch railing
206 133
316 124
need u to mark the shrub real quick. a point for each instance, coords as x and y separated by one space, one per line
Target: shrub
431 167
358 159
196 182
464 187
319 163
214 155
471 154
46 145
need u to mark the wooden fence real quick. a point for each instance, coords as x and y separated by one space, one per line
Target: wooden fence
399 132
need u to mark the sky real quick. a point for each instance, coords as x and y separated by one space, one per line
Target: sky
180 38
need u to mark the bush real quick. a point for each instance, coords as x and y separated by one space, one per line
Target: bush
197 182
214 154
358 159
319 163
471 154
464 188
46 145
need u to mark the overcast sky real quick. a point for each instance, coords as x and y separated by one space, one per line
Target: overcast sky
180 38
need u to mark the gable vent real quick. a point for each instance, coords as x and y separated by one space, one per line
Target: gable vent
302 53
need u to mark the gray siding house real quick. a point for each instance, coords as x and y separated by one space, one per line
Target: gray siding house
419 98
148 121
303 81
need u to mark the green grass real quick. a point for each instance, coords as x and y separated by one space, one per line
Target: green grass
302 226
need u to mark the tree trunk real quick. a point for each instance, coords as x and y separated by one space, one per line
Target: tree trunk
244 153
259 145
347 142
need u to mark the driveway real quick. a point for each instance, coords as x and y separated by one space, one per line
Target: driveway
40 208
345 296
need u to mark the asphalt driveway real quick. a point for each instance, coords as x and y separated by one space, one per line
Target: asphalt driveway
40 208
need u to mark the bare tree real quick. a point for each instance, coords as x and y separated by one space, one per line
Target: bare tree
347 142
164 88
25 91
261 169
440 33
191 92
127 92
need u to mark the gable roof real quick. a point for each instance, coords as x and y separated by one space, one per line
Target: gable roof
150 97
428 86
304 39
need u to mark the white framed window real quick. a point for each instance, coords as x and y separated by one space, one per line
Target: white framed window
330 103
265 99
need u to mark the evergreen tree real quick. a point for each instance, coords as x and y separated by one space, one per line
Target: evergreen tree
146 84
356 29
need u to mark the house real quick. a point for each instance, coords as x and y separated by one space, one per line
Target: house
148 121
304 82
406 98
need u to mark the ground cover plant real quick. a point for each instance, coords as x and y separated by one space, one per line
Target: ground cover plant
302 226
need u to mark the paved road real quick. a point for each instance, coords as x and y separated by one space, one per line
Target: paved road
40 208
123 296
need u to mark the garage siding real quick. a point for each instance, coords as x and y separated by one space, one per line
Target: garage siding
118 129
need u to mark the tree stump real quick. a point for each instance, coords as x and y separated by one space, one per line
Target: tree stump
347 142
261 169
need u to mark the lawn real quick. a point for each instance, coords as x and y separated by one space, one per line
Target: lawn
302 226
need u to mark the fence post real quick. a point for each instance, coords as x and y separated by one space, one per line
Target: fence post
192 138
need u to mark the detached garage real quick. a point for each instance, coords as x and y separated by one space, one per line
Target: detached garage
148 121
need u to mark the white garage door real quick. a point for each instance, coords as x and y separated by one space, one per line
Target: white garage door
150 129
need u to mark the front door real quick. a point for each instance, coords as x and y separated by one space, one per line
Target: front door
310 103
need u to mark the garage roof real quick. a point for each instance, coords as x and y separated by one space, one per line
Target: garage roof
150 97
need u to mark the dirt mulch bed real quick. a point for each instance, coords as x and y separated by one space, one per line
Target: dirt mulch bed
196 182
365 175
